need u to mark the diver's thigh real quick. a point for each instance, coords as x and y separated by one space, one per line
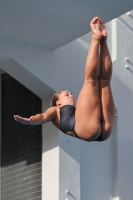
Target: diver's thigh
88 111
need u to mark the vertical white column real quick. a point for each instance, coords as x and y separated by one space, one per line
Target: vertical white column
115 161
114 39
114 134
50 160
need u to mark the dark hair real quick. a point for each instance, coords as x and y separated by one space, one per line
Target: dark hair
55 97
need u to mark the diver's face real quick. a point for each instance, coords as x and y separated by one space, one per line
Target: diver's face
65 98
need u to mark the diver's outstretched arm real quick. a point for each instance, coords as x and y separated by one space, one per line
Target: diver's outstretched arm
48 115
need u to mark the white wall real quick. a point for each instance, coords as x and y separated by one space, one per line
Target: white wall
123 101
87 170
50 160
69 168
123 91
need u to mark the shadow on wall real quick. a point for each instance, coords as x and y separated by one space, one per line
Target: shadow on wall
19 142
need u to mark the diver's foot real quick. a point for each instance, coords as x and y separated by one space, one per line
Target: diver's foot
95 27
103 29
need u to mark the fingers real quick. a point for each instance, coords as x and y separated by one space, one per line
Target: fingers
21 120
16 117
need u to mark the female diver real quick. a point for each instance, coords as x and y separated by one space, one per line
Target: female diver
93 117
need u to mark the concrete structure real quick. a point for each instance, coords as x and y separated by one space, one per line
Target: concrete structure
73 169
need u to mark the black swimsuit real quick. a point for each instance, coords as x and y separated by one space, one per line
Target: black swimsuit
67 120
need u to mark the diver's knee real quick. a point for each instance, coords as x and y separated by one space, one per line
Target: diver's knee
106 132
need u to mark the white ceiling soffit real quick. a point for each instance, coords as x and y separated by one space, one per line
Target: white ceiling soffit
51 24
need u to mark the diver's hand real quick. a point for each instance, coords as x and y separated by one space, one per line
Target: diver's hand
23 120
